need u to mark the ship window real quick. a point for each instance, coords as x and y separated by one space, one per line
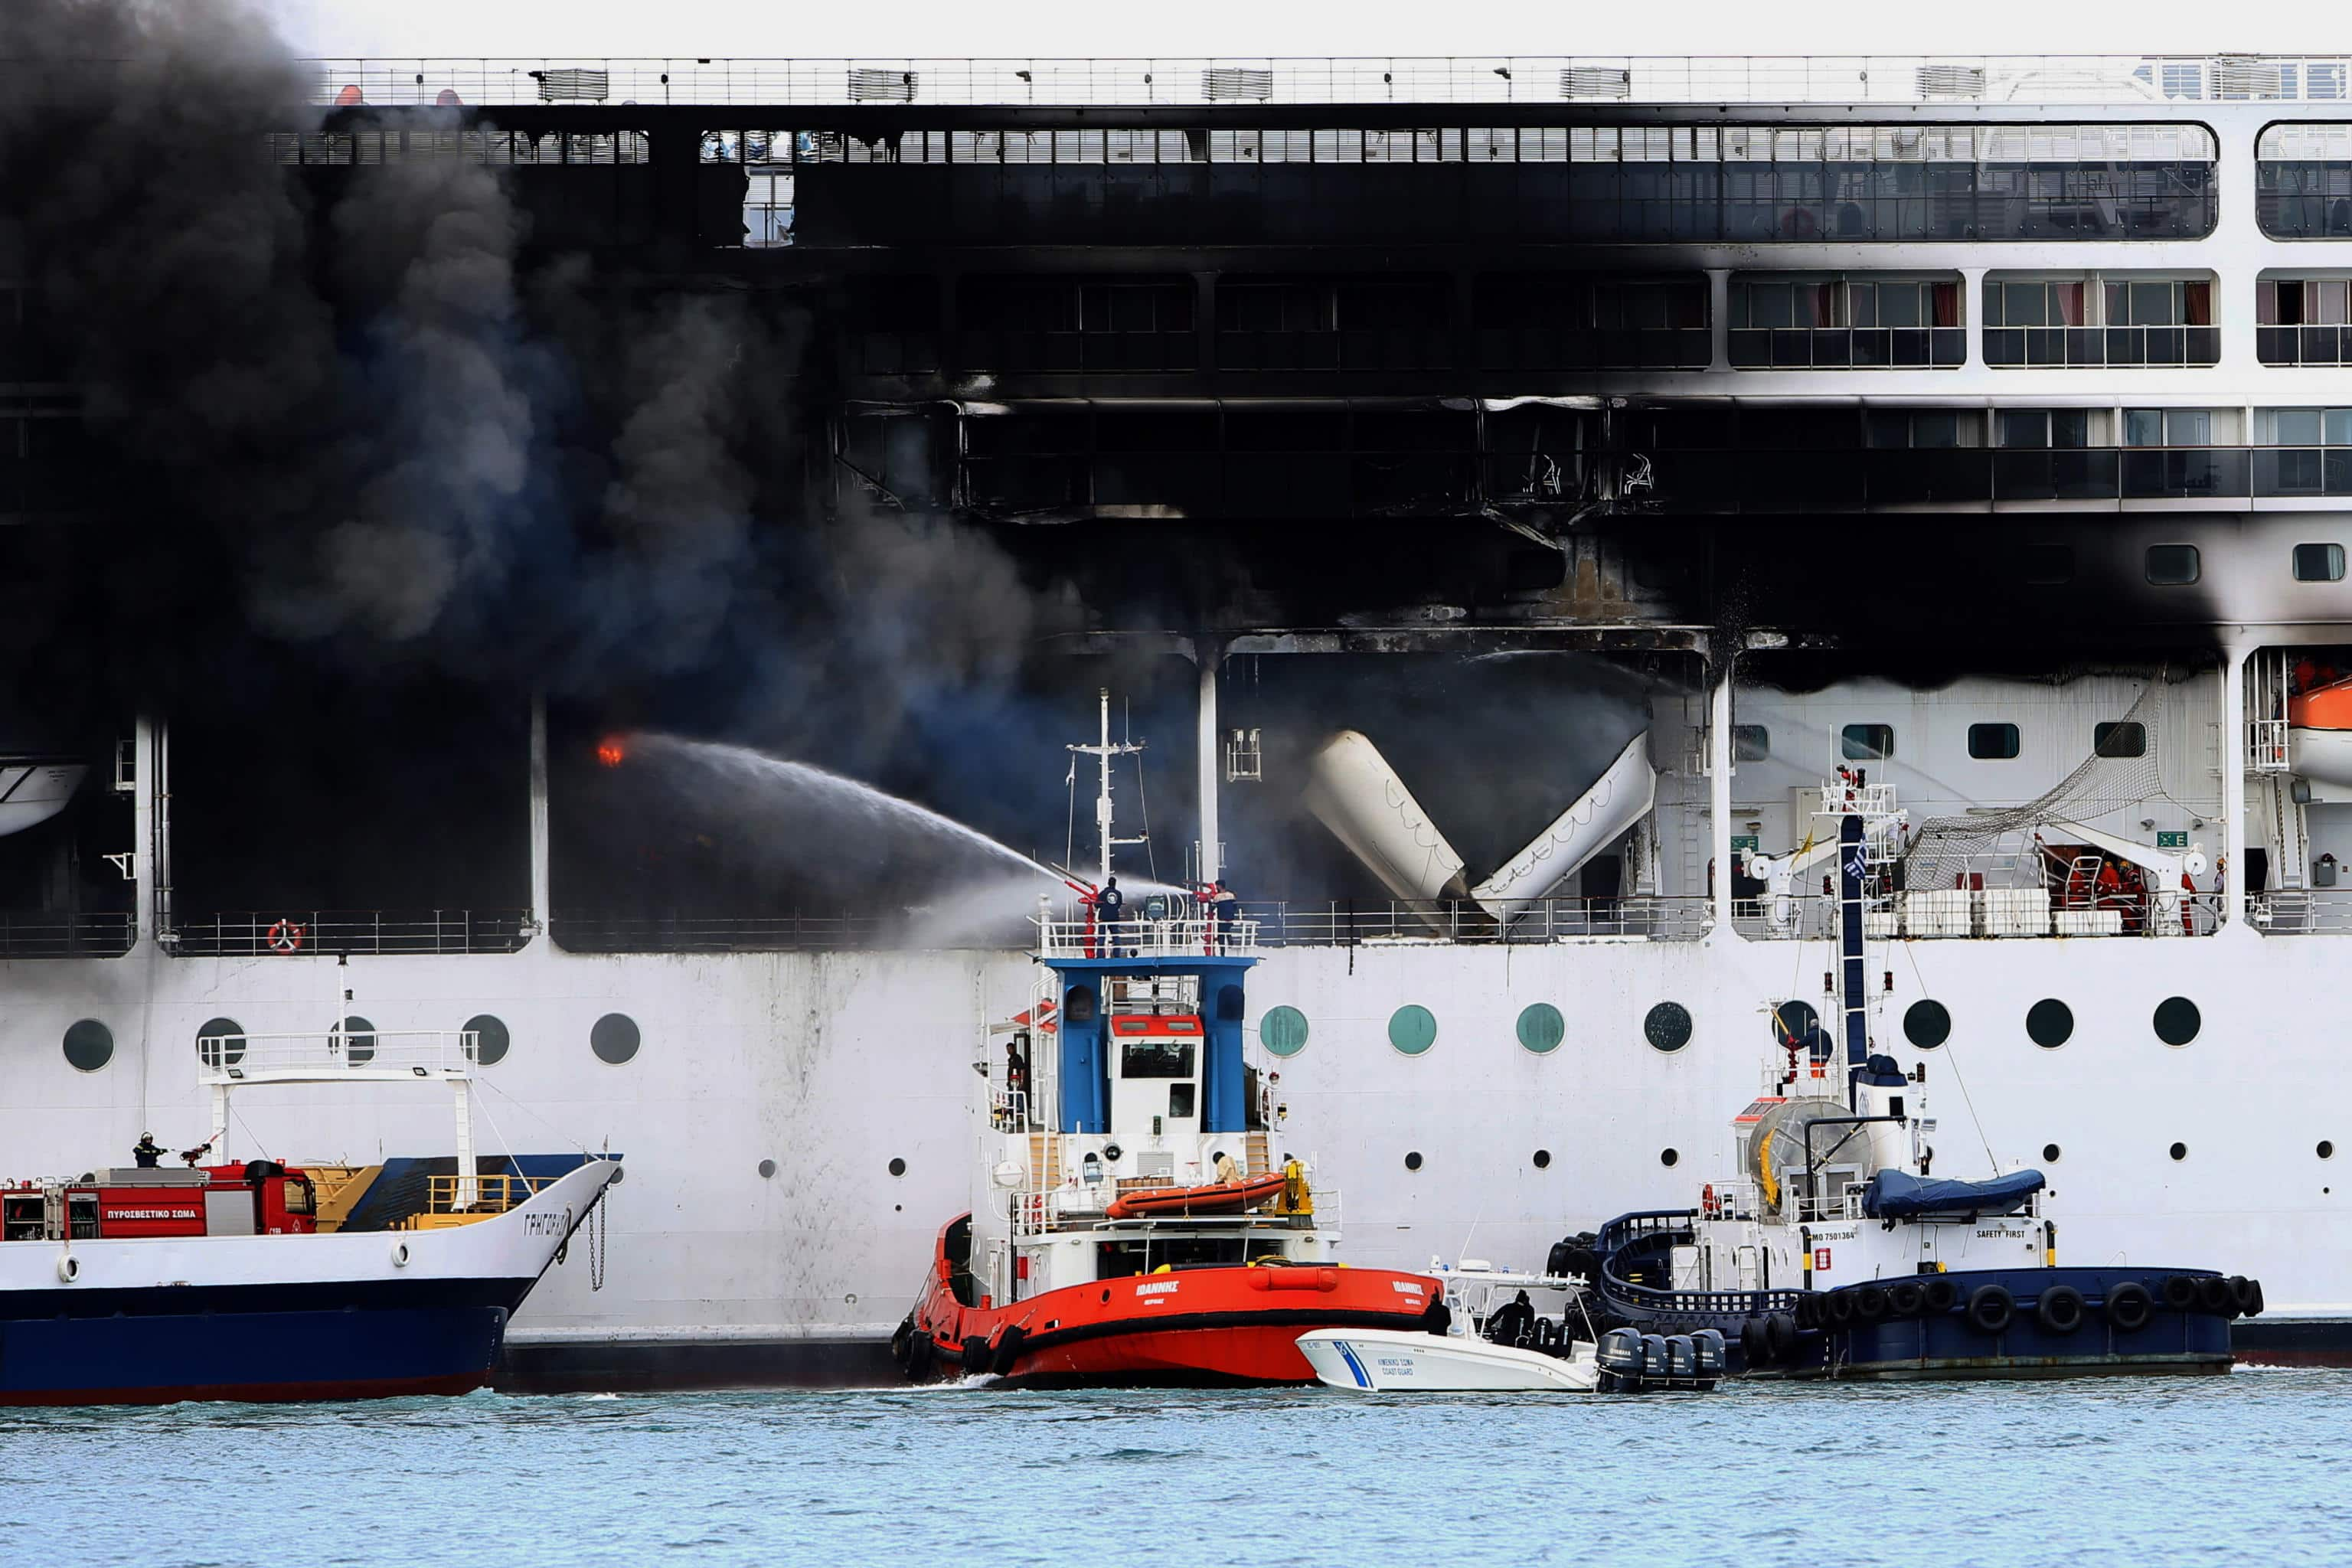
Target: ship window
1412 1160
613 1038
1667 1027
1541 1028
359 1041
1751 743
2172 565
2319 564
1283 1031
1993 743
1670 1157
2049 565
490 1042
1413 1029
2050 1153
1543 1159
2120 738
2179 1151
1867 743
2178 1020
90 1045
2167 428
897 1166
1794 1023
221 1040
1156 1058
1181 1105
1927 1023
2049 1023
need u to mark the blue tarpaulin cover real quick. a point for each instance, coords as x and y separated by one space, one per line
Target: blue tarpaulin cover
1898 1195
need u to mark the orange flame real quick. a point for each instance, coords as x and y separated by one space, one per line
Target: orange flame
610 752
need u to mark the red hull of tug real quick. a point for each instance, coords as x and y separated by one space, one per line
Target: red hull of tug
1219 1325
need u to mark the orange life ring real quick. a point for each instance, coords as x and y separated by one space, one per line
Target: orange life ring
286 937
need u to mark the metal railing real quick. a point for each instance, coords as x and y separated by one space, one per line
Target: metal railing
492 1195
722 933
1342 923
1953 80
41 935
1867 478
1188 938
254 932
423 1052
2301 911
1993 913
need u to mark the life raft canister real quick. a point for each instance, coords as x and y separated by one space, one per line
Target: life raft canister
286 937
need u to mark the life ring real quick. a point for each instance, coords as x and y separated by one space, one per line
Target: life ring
2129 1307
1989 1309
2059 1309
286 937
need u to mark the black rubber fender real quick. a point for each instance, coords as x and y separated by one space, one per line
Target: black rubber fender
902 1340
1869 1303
1990 1308
1905 1298
1837 1309
975 1354
1780 1336
2179 1293
2213 1296
923 1353
1809 1310
2059 1309
2250 1301
2129 1307
1755 1342
1008 1350
1942 1295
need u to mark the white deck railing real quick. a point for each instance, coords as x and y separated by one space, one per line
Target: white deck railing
327 1054
1957 81
1191 938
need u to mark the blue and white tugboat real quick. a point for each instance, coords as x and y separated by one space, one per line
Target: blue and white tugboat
253 1280
1833 1251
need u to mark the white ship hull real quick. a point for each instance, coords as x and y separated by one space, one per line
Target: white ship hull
1377 1361
834 1066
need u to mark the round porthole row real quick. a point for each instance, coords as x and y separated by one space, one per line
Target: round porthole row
2178 1020
2326 1151
220 1042
1792 1023
359 1041
2179 1151
897 1166
767 1167
1541 1028
1283 1031
1543 1159
1412 1160
88 1044
614 1038
2050 1153
1667 1027
1412 1028
490 1039
1927 1023
2049 1023
1669 1157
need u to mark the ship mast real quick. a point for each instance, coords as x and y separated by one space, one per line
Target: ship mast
1103 751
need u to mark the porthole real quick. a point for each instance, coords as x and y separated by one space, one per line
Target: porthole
1927 1023
1668 1027
1793 1023
2050 1153
2180 1151
767 1168
897 1166
2327 1150
1283 1031
221 1042
1412 1160
1543 1159
613 1038
2172 565
490 1041
359 1041
2177 1020
2049 1023
1669 1157
90 1045
1413 1029
1541 1028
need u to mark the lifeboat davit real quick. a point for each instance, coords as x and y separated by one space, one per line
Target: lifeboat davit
1217 1197
2319 732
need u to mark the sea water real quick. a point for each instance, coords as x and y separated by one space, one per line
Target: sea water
2247 1468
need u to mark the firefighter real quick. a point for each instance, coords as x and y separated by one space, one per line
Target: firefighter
147 1152
1110 911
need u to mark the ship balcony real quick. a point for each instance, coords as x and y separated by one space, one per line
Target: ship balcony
1187 938
1723 480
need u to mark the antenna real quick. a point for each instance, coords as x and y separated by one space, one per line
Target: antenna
1103 751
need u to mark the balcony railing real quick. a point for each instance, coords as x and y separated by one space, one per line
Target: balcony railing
2304 345
2126 346
1848 348
256 932
39 935
1864 480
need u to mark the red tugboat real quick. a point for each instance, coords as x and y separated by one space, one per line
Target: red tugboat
1138 1217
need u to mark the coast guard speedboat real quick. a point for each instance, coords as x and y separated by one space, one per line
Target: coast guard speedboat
1834 1252
1138 1215
254 1280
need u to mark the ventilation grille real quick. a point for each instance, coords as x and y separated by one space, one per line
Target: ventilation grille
1595 81
869 86
1951 81
1236 83
573 85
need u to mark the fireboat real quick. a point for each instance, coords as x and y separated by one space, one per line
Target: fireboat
1138 1214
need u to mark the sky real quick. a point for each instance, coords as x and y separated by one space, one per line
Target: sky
431 28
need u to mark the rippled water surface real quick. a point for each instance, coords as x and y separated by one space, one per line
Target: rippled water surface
2251 1467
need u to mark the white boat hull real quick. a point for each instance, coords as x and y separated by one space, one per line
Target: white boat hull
1385 1361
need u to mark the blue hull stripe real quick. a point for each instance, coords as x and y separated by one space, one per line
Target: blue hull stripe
1354 1365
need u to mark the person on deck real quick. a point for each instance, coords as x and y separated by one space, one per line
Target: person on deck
1222 909
147 1152
1110 909
1515 1323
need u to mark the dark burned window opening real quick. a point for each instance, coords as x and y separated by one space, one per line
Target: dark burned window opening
479 145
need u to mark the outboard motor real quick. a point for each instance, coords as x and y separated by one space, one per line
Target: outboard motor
1655 1357
1621 1359
1710 1347
1682 1358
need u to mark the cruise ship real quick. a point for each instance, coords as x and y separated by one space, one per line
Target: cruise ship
1499 494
